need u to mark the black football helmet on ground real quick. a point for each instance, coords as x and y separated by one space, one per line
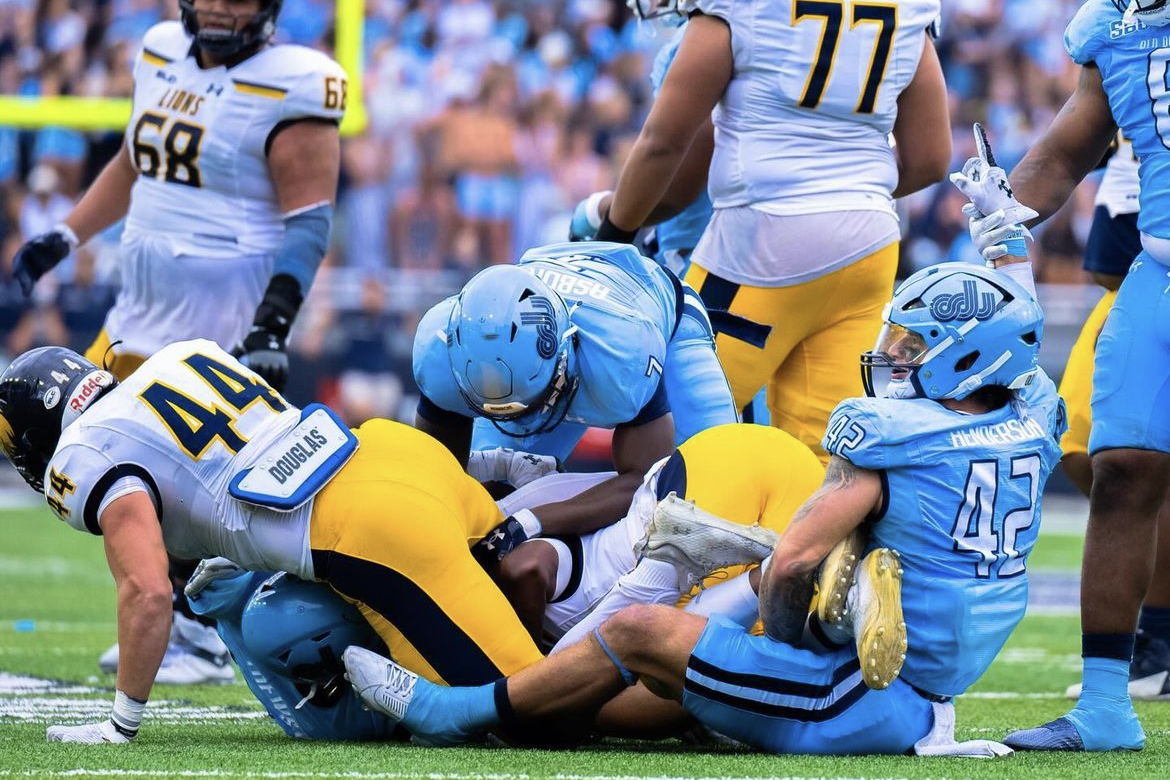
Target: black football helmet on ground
41 393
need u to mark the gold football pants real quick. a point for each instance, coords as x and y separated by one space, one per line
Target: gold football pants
802 342
1076 385
391 533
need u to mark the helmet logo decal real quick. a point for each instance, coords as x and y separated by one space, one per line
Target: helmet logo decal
546 325
52 397
85 393
969 304
5 434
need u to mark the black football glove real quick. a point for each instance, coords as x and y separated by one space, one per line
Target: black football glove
265 348
37 256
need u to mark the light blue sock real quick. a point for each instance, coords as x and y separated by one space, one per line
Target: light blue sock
439 715
1105 678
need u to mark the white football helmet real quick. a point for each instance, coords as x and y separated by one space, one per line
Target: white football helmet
1153 13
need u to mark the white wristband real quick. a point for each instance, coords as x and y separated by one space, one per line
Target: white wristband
593 208
528 521
1019 272
68 234
127 714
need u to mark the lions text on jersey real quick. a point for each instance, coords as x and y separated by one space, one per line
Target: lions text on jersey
204 221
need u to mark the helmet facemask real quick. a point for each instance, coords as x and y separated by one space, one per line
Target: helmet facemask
890 369
668 11
243 35
547 410
952 329
1153 13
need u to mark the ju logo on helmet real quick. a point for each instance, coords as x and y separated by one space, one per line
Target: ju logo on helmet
966 305
546 325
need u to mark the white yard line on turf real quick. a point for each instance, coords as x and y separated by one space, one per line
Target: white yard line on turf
385 775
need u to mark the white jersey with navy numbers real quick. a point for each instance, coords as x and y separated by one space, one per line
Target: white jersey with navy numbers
199 139
803 126
962 507
625 307
179 428
1134 62
1120 187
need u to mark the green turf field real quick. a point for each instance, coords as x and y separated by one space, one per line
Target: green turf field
57 616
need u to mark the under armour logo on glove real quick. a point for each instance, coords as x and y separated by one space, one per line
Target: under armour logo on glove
516 529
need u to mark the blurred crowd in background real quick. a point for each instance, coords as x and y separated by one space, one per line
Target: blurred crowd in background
489 121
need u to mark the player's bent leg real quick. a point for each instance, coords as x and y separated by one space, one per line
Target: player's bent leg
748 347
384 533
700 397
637 713
844 311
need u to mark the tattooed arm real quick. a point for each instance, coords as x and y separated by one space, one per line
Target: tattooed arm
846 498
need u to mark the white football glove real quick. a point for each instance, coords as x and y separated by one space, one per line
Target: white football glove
208 571
986 185
88 734
505 465
991 233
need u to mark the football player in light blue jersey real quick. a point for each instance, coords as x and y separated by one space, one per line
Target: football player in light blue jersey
948 466
1122 50
574 335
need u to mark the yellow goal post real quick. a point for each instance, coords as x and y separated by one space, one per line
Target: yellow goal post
85 113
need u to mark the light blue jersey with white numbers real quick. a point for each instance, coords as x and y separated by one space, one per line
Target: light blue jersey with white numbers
1134 62
962 508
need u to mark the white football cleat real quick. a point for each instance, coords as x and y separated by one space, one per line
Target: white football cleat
195 656
191 666
382 685
108 662
697 542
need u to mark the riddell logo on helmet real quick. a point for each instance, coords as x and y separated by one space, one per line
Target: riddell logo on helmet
85 393
969 304
546 325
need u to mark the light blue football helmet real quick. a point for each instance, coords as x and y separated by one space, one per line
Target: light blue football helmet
511 343
1153 13
299 629
951 329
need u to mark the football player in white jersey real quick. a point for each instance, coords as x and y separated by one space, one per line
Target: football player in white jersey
226 180
801 252
195 456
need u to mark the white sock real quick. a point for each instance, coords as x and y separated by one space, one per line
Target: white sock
734 599
650 582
